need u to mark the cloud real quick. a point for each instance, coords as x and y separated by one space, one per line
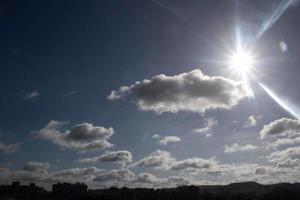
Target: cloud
82 137
209 125
281 127
192 91
9 148
283 135
122 157
194 163
30 95
165 161
237 147
38 167
167 139
251 122
285 155
158 159
115 175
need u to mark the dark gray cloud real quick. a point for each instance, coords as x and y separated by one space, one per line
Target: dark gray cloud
9 148
192 91
82 137
194 163
38 167
123 157
116 175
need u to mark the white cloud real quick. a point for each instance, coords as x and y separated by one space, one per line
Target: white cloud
122 157
165 161
30 95
281 127
209 125
169 139
158 159
165 140
82 137
192 91
237 147
283 136
251 122
9 148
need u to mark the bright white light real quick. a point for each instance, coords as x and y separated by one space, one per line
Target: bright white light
241 62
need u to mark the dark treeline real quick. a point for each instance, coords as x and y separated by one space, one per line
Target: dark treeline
235 191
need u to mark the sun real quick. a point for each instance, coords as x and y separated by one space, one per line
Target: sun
241 61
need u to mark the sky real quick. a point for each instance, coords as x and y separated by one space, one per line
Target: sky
149 93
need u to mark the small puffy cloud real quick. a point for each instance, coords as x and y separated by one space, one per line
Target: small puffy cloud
122 157
281 127
115 175
38 167
192 91
165 140
251 122
9 148
209 125
237 147
169 139
30 95
194 163
158 159
146 178
156 136
82 137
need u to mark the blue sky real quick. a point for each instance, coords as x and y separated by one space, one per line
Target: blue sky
63 65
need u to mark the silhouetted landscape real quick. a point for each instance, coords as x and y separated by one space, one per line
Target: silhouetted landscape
242 191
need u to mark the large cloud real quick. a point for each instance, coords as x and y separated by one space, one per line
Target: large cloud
281 127
122 157
192 91
82 137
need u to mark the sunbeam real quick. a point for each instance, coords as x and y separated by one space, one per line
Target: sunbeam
273 18
283 103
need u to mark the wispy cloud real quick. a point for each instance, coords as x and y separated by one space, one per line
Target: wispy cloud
30 95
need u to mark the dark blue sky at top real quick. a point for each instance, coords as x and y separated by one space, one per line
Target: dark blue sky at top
75 53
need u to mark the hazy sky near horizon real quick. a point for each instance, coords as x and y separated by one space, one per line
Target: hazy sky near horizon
140 92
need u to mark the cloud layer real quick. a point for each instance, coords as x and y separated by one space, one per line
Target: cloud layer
192 91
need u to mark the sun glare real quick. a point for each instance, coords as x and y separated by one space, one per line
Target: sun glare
241 62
